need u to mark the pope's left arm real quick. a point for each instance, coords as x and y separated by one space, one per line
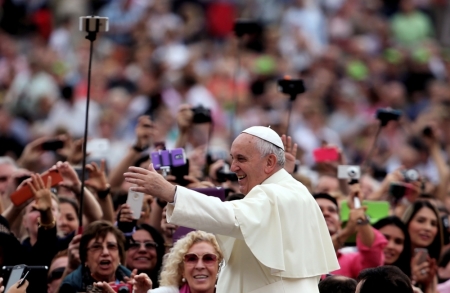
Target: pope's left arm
202 212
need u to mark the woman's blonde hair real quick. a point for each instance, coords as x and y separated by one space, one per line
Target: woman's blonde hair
173 265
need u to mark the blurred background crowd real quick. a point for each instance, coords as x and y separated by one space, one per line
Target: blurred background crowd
160 59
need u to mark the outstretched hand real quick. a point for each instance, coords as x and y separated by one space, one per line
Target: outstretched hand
149 181
290 152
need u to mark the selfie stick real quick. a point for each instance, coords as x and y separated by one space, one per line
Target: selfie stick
92 25
235 77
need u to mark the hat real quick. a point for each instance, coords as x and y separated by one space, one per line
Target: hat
265 133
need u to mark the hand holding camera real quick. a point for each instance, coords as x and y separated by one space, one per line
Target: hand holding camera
97 176
73 253
184 117
41 192
144 132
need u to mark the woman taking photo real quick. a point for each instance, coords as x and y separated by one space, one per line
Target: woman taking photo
398 249
101 252
425 231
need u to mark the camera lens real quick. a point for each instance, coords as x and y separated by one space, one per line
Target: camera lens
411 175
352 173
123 290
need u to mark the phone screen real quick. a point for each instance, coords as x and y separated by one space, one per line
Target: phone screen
15 276
52 145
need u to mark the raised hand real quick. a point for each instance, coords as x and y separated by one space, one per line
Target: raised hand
97 176
144 131
41 192
142 283
184 117
32 153
149 181
74 253
71 180
290 152
75 154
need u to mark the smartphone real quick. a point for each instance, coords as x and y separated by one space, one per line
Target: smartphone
24 194
79 171
423 254
15 276
94 24
135 200
325 154
97 146
179 172
52 145
446 229
22 281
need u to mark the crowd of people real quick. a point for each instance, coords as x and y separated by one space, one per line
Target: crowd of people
173 75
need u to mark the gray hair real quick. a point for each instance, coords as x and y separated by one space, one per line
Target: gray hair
266 148
5 160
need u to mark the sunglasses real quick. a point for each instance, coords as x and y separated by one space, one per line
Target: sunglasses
207 259
147 245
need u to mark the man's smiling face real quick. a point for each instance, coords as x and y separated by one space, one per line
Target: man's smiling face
247 163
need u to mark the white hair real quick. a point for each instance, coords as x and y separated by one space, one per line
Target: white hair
266 148
5 160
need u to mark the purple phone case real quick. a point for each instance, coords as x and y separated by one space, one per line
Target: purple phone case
156 160
165 158
216 192
178 157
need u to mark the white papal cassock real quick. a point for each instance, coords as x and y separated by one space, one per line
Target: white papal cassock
274 240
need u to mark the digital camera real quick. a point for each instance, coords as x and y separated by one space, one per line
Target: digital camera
349 172
224 174
201 115
410 175
292 87
122 288
386 115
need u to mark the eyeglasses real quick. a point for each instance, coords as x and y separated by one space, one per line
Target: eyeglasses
192 259
147 245
97 247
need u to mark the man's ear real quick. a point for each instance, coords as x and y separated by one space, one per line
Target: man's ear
271 163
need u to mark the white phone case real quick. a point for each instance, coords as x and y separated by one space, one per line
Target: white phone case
135 200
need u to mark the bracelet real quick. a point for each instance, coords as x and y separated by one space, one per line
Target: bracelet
47 226
104 193
360 222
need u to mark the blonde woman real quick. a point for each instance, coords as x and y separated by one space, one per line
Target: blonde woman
192 265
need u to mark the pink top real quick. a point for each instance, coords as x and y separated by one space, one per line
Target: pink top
366 257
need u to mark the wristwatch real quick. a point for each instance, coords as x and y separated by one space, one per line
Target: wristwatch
360 222
104 193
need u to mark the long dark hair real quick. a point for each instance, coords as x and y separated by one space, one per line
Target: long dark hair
160 250
434 249
404 260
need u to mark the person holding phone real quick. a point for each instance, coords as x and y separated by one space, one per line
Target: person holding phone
425 230
369 241
261 234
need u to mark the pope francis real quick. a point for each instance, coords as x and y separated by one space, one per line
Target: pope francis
273 240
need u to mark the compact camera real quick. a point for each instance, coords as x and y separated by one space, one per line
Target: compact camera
122 288
410 175
201 115
224 174
292 87
386 115
349 172
168 158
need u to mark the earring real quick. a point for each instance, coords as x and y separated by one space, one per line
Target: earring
183 280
